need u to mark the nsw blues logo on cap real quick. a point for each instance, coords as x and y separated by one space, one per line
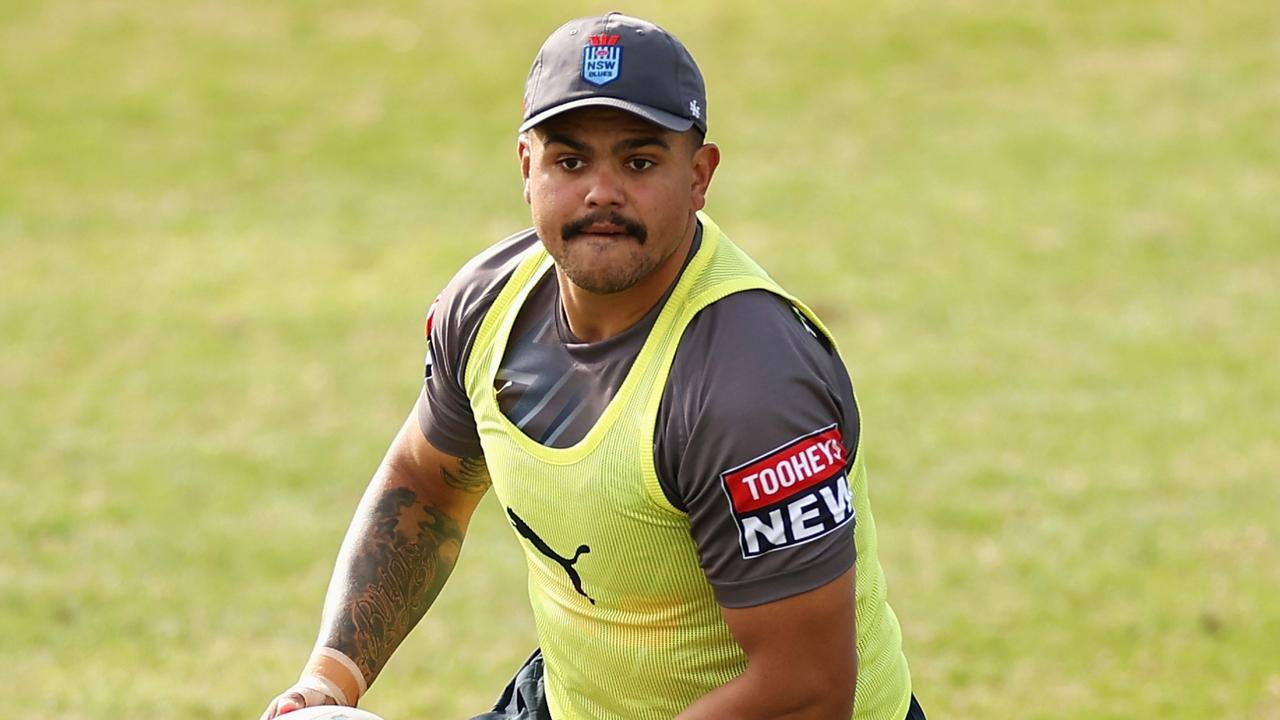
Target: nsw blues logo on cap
602 59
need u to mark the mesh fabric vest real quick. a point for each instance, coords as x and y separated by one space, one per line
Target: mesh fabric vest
628 624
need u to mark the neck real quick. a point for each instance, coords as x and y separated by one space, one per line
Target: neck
594 317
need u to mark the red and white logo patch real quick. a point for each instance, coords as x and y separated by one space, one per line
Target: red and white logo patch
792 495
431 319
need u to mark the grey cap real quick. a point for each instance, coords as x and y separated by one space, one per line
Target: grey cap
616 61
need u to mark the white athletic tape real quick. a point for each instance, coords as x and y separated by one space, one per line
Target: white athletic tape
311 696
341 658
322 685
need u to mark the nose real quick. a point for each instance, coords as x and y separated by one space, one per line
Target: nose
605 189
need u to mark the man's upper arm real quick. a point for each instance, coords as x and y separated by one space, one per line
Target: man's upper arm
805 644
757 435
802 659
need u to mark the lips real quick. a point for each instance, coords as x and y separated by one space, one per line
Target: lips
605 225
604 229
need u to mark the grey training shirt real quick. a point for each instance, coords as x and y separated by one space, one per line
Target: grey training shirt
750 376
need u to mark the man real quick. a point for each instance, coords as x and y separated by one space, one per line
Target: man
671 435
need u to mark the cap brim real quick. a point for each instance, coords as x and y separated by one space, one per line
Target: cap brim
658 117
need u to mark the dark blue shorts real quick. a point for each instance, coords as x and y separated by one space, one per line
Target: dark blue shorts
525 698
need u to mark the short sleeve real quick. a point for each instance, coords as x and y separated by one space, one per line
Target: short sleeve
756 434
444 410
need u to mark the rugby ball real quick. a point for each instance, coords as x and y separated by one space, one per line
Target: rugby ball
329 712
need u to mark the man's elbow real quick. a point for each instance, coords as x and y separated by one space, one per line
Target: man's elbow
831 703
835 699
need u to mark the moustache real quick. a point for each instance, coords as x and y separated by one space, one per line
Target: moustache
630 227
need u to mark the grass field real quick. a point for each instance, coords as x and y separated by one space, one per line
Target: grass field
1047 235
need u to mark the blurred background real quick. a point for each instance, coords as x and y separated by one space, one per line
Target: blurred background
1047 235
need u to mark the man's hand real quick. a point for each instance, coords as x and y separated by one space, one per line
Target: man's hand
296 698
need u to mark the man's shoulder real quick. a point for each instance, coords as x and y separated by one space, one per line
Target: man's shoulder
480 279
748 351
750 329
490 268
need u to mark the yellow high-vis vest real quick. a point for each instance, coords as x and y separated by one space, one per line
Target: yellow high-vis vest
628 624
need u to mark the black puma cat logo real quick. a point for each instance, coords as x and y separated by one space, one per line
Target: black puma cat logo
541 546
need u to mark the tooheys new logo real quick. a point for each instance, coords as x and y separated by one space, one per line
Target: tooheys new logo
602 59
792 495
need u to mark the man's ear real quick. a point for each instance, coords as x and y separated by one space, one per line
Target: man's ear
705 161
525 151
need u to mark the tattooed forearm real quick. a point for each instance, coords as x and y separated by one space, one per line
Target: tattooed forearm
394 566
472 475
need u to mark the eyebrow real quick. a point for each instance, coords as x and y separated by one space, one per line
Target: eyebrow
639 142
634 143
563 139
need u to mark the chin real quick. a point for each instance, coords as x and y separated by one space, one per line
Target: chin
605 270
603 284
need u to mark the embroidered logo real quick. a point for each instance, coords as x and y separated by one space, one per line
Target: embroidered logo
694 110
791 495
602 59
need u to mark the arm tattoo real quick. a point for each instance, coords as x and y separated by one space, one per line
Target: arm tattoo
472 477
393 571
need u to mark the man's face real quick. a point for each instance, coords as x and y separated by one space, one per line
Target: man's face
613 195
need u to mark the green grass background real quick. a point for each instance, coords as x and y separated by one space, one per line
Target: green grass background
1047 235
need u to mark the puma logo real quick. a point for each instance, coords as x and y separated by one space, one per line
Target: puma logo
541 546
